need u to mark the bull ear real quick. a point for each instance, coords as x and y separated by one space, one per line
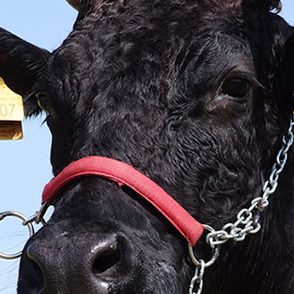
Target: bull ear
21 64
284 80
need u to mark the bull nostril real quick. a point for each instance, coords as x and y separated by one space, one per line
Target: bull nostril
107 256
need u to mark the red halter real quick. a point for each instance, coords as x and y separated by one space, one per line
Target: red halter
125 174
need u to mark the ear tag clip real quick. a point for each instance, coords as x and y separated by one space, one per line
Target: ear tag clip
11 113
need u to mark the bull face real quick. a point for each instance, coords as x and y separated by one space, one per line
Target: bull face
196 95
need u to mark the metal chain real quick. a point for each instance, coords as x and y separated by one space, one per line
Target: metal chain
248 218
197 280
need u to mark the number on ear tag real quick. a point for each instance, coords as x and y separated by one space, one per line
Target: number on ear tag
11 114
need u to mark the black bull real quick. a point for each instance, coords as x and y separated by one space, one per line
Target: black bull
194 94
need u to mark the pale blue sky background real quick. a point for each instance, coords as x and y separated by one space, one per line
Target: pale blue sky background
24 165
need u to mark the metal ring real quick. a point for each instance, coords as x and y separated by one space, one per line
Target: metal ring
215 253
25 222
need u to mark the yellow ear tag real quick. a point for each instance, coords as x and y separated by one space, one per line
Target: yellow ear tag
11 114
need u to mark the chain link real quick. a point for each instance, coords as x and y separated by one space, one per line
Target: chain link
248 218
197 280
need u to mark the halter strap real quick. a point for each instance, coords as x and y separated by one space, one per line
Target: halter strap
126 175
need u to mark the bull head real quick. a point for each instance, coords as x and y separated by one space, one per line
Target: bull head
195 95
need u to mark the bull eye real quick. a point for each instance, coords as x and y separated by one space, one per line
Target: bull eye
236 87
